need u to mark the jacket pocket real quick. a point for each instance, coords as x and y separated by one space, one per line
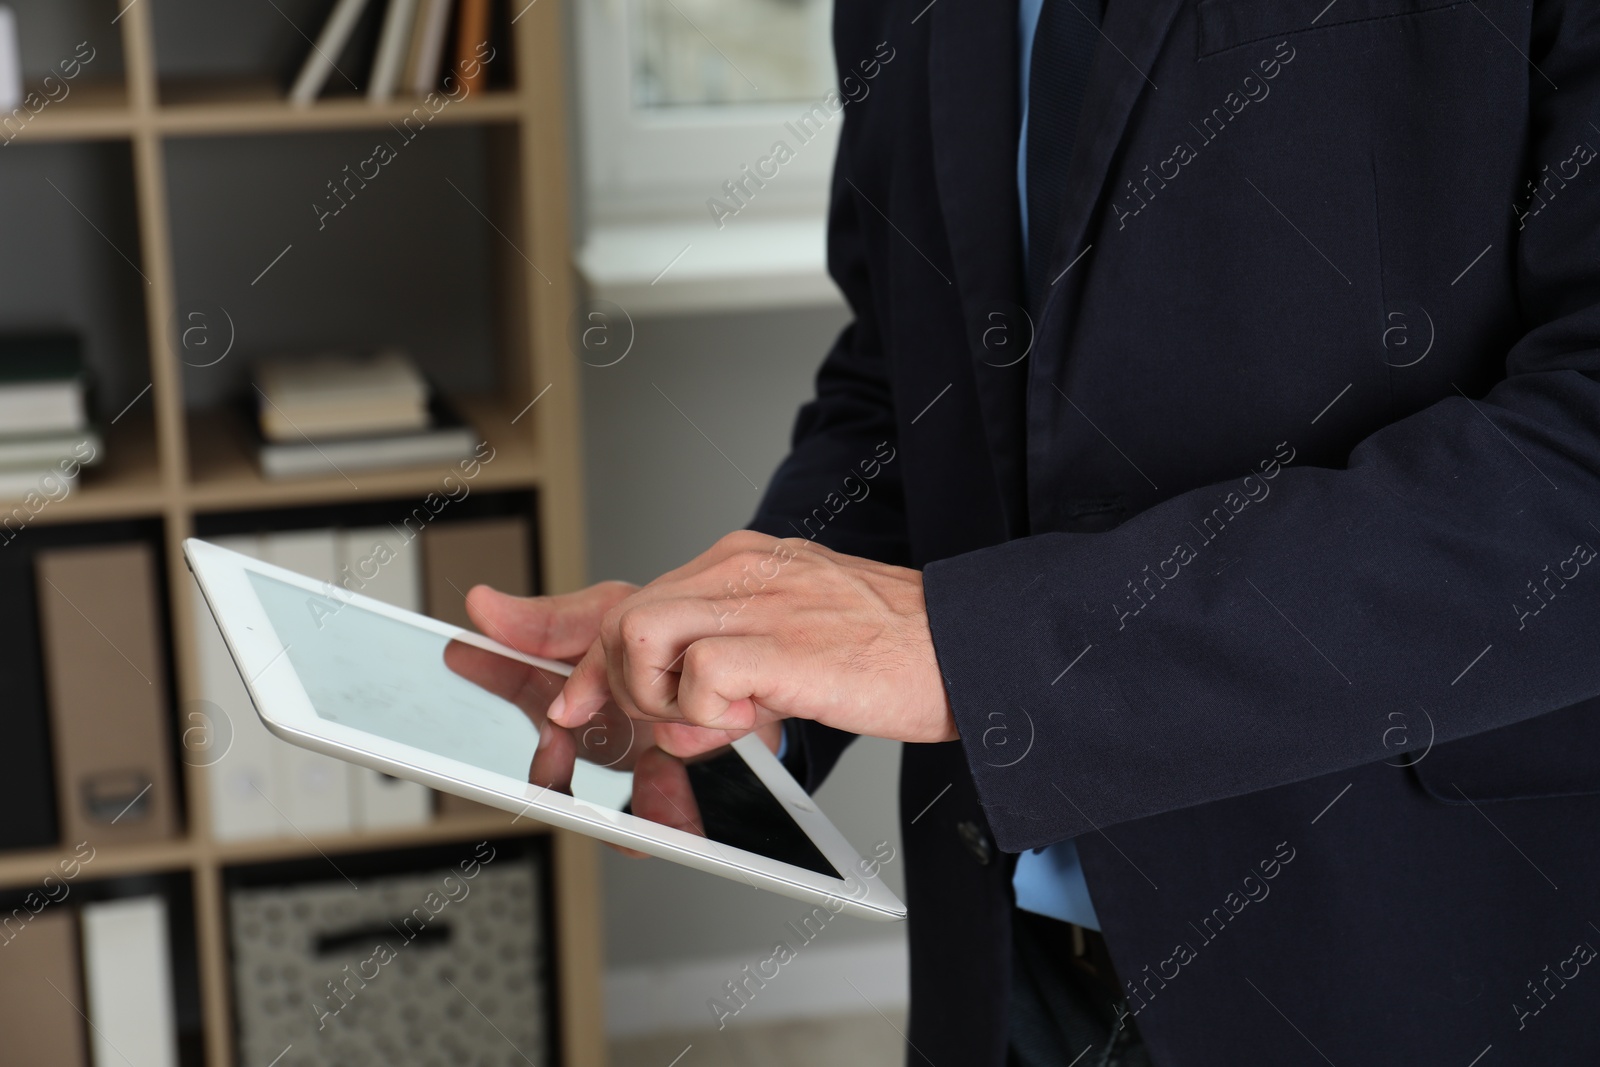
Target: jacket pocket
1226 24
1554 755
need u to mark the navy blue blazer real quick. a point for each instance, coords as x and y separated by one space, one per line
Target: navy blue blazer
1263 562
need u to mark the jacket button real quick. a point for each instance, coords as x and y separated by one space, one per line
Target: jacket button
976 840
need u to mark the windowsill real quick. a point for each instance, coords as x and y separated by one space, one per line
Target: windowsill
684 268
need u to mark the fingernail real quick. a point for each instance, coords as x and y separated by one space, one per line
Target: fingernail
558 708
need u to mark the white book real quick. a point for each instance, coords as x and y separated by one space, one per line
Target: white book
128 979
82 446
42 407
320 63
375 561
440 445
317 787
336 395
429 51
16 483
243 779
416 39
10 62
391 57
336 379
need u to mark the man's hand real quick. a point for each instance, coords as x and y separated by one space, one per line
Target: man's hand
553 627
563 628
759 629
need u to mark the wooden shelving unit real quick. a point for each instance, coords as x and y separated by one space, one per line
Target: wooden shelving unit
168 462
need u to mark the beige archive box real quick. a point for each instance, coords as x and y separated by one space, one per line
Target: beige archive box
99 621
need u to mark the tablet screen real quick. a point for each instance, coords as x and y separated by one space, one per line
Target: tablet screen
382 676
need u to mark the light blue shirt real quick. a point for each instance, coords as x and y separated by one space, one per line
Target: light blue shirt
1048 881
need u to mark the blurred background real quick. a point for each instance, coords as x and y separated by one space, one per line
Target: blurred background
523 291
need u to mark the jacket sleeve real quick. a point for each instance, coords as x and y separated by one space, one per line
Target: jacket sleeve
840 485
1450 565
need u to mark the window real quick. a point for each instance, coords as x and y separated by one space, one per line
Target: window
729 52
678 96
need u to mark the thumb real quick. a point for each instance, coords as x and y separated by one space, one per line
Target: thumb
555 627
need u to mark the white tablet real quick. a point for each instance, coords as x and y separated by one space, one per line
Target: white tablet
354 678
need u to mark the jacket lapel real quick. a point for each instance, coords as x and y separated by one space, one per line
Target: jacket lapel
972 84
1134 32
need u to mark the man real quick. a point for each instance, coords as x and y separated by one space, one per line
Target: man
1226 530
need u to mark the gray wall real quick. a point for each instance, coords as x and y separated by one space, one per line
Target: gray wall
407 260
659 493
72 258
49 31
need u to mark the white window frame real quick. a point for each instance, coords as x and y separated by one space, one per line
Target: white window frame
663 164
652 243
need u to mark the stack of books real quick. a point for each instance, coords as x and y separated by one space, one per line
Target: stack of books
329 414
45 437
410 50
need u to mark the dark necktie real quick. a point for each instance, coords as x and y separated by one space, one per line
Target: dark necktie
1063 47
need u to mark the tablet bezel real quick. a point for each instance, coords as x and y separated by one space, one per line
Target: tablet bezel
284 707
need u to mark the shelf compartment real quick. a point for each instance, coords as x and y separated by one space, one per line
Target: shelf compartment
227 68
80 269
282 238
76 262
